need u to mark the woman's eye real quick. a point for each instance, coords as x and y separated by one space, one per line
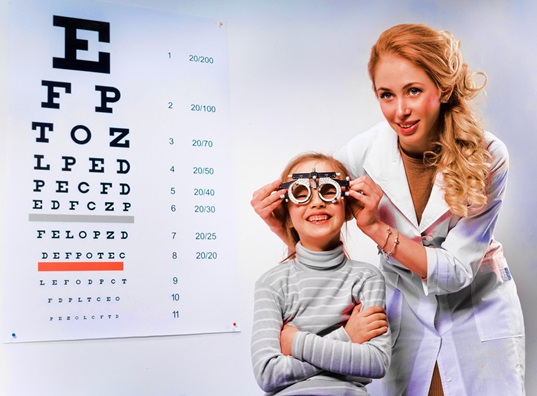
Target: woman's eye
414 91
385 95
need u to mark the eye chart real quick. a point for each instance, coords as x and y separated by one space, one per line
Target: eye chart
119 216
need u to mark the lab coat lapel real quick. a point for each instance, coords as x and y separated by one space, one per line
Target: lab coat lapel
436 205
385 166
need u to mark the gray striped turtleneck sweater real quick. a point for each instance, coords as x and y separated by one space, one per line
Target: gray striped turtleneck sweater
316 292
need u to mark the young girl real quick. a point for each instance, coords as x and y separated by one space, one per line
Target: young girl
311 296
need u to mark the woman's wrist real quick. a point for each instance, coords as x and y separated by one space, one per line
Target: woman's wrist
376 232
386 237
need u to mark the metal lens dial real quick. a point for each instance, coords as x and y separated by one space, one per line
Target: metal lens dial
329 191
300 191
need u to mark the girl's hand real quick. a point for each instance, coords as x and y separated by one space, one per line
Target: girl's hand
366 196
286 338
364 325
267 203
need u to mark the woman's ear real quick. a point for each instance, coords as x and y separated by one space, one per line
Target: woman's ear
445 96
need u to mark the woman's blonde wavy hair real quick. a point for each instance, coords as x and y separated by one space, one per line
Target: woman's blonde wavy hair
459 152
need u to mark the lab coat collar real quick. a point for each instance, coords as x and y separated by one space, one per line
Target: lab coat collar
385 166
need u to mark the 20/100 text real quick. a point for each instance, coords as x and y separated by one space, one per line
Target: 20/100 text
202 108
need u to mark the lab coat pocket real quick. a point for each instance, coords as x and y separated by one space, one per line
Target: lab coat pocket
394 303
496 305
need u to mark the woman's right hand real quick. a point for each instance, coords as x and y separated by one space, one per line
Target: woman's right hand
267 203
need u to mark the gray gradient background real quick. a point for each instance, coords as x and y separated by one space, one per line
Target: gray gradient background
299 82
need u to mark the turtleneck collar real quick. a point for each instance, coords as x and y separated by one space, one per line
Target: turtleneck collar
325 260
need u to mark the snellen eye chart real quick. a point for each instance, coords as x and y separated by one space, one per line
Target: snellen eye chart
120 216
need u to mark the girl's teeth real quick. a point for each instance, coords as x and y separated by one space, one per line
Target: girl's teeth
318 218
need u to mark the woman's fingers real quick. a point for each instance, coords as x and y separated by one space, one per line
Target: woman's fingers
365 187
264 192
267 199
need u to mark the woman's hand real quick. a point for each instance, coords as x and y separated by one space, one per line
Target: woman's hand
286 339
267 203
366 196
365 208
364 325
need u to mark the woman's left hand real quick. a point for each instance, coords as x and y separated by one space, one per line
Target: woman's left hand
366 196
286 338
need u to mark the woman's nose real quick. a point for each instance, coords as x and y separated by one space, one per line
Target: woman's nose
403 109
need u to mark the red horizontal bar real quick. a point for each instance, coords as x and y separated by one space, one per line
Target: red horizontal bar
80 266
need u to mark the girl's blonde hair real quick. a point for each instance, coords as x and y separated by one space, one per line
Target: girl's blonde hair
460 151
335 165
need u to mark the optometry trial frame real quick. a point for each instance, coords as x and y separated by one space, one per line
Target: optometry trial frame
299 191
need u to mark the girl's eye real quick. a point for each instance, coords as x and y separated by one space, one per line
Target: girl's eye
328 192
300 192
414 91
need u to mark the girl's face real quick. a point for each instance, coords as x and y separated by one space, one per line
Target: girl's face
318 223
410 102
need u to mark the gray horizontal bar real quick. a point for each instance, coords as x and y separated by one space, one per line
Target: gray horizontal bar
63 218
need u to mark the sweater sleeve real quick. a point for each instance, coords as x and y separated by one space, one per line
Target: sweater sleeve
273 370
338 354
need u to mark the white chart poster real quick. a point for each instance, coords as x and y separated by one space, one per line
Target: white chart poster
119 216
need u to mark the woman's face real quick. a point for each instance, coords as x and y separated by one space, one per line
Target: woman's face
318 223
410 102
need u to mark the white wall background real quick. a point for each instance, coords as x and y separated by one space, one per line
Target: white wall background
299 82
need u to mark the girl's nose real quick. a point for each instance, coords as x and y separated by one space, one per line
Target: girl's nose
316 201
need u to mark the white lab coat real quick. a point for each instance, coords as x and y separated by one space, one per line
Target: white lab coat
467 315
